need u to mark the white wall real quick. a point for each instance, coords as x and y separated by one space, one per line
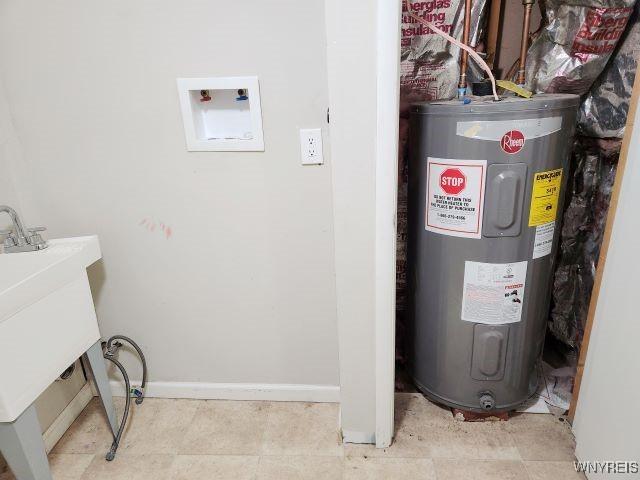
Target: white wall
244 289
11 162
606 426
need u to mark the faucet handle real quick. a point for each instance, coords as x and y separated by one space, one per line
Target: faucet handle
9 239
34 238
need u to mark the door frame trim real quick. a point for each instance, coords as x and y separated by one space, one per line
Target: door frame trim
388 107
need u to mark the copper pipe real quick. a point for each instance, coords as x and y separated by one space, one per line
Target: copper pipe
465 39
493 31
524 44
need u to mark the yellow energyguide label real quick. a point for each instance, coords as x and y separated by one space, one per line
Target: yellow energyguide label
544 197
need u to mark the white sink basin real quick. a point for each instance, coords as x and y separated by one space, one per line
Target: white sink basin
47 318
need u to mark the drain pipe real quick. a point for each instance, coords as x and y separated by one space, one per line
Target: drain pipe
524 44
466 31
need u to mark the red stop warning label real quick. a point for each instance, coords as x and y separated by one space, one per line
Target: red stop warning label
455 196
452 181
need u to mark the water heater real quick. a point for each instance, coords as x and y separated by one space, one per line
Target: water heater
486 187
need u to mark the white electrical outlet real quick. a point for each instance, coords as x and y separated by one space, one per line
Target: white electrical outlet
311 146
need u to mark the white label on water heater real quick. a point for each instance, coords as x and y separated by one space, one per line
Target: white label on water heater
455 196
544 239
495 129
493 293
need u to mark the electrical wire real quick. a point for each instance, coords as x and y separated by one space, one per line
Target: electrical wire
461 45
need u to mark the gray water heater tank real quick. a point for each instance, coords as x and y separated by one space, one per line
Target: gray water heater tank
486 187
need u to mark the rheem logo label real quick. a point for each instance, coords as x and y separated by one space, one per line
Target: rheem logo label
512 142
452 181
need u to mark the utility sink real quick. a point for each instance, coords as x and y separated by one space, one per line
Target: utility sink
47 318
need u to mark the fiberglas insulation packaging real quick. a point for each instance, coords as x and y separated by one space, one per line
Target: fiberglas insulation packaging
574 47
429 66
603 113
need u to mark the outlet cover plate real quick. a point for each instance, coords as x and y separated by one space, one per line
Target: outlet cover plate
311 146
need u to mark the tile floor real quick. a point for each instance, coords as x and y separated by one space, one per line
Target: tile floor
195 439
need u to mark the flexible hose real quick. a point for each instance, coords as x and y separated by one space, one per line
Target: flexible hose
111 350
142 359
461 45
116 441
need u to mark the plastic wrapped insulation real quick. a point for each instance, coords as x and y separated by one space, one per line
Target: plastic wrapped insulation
593 169
429 67
574 47
603 113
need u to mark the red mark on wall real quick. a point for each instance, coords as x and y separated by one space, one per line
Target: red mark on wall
150 225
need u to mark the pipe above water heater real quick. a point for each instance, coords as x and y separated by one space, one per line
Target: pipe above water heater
524 43
462 83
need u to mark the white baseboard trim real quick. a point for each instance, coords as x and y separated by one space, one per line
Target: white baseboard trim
62 423
236 391
358 437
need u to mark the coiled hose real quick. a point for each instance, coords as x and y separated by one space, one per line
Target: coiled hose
112 347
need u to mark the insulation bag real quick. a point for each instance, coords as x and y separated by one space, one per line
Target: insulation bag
603 113
593 171
429 68
574 47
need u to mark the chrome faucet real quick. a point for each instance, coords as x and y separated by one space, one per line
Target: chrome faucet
20 239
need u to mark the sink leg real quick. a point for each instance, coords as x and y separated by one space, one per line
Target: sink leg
95 360
22 447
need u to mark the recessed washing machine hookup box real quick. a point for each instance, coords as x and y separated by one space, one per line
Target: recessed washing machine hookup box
221 114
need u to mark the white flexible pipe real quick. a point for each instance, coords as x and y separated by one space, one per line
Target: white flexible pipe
448 37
